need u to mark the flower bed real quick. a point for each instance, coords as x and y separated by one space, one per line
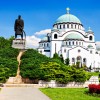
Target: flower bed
93 88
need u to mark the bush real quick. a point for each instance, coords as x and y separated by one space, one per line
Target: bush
93 88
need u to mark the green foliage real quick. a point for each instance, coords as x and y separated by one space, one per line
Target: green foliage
61 58
67 61
30 64
38 66
55 56
8 61
77 64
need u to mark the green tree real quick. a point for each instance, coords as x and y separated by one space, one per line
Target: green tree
55 56
67 61
61 58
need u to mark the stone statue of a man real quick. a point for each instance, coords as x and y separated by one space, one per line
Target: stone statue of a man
18 27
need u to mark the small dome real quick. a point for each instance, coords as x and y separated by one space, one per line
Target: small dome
90 46
45 39
68 18
73 36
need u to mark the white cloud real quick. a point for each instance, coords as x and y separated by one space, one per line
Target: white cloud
43 32
98 44
32 41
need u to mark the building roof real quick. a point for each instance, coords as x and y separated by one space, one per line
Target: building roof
44 39
68 18
73 36
90 46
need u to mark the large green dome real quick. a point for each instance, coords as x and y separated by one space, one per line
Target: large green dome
68 18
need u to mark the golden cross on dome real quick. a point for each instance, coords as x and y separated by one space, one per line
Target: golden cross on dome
68 9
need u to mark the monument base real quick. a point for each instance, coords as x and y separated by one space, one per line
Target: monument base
19 43
15 80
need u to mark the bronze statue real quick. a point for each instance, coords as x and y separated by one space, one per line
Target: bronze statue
18 27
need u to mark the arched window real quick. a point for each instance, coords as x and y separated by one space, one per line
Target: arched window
84 61
69 43
90 38
60 26
47 45
75 26
91 52
55 36
73 60
64 26
64 50
71 25
79 50
73 42
78 26
67 25
79 59
66 43
79 43
76 43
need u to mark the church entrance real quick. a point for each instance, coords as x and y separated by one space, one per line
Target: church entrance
79 60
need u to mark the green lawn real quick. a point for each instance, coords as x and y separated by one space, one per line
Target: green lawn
67 94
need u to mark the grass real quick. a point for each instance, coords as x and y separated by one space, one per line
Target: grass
67 94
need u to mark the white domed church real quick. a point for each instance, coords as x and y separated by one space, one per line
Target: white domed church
69 38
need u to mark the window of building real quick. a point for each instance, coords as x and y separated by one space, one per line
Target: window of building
64 26
79 51
75 26
64 50
55 36
76 43
78 26
71 25
60 26
84 61
73 42
67 25
82 43
69 43
47 45
66 43
91 52
90 38
79 59
73 59
79 43
44 45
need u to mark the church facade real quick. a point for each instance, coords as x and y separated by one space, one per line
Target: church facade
69 38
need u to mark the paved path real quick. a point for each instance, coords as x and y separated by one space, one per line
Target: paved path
22 93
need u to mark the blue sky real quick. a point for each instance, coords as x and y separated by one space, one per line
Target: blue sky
41 14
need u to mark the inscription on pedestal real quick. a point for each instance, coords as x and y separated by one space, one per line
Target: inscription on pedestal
19 43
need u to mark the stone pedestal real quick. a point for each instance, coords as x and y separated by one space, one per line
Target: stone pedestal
14 80
19 43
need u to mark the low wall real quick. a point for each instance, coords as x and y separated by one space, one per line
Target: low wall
53 83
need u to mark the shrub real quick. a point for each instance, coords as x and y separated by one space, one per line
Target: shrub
93 88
